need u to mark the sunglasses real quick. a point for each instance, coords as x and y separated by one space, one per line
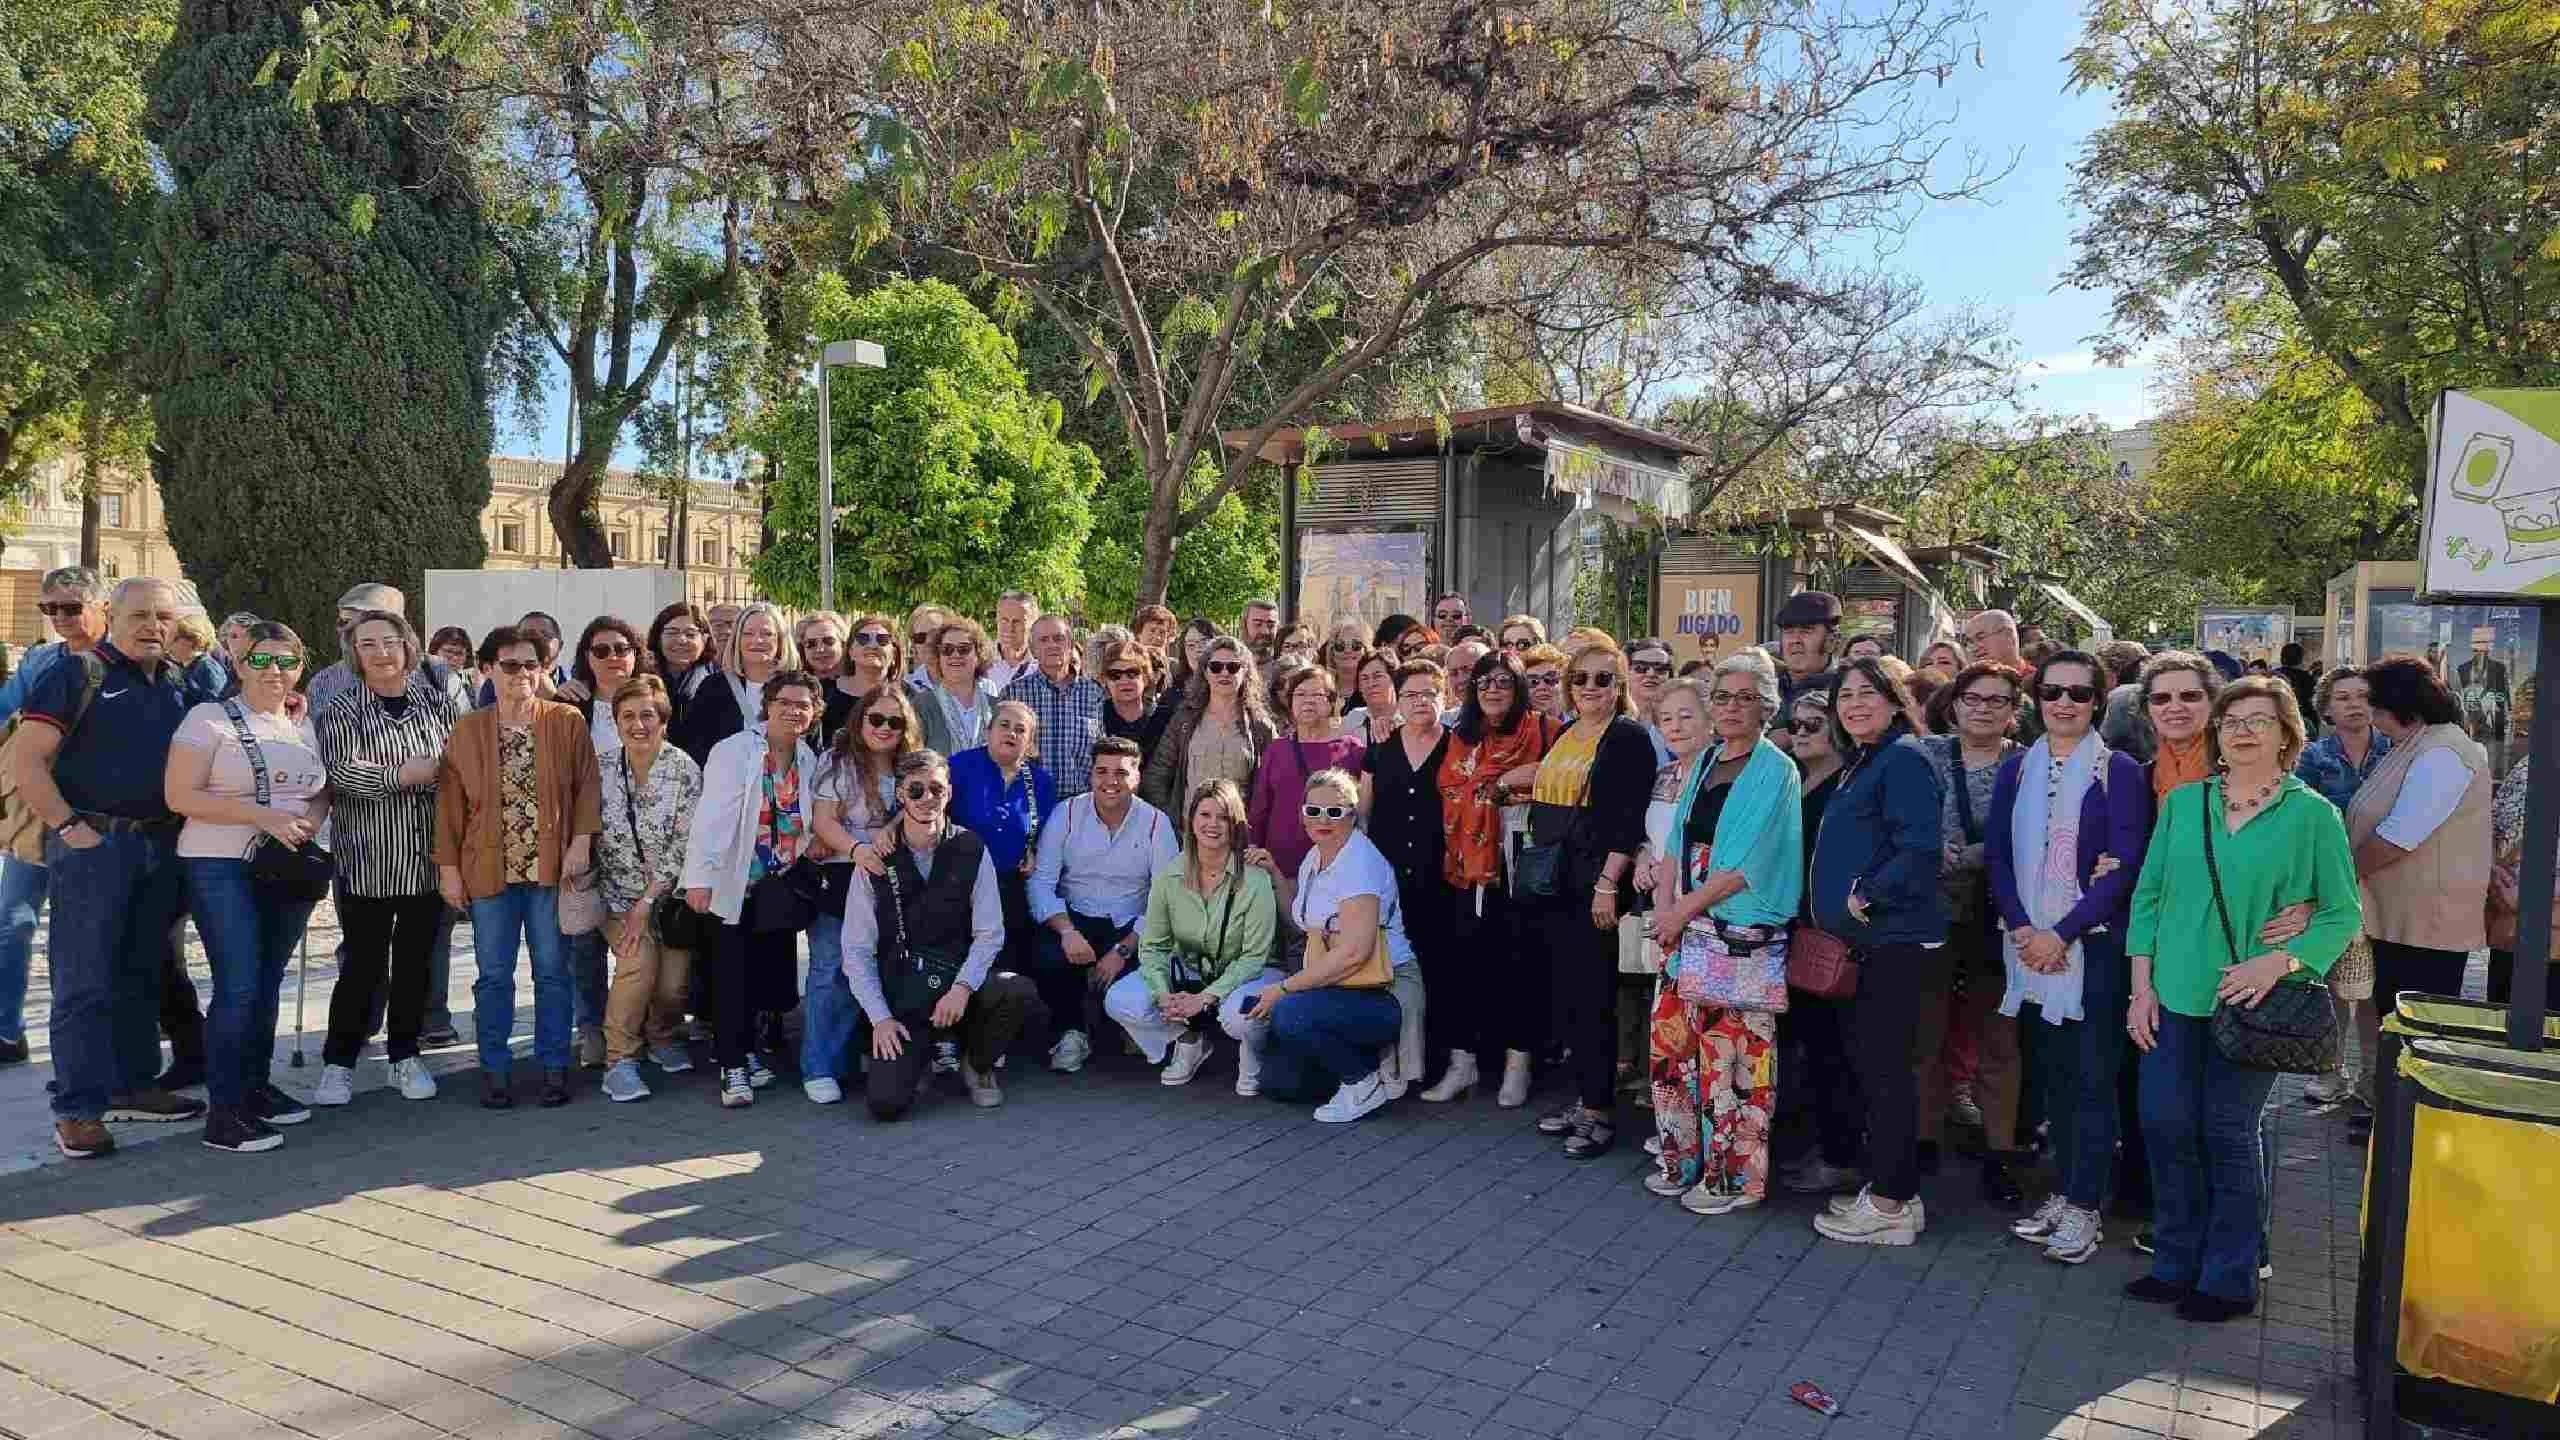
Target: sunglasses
1804 727
1518 644
1650 667
615 650
519 667
2076 694
820 642
269 660
1449 616
1327 812
1498 680
1544 680
891 723
961 651
1122 673
1347 647
926 790
872 639
921 639
60 609
2176 697
1224 667
1594 679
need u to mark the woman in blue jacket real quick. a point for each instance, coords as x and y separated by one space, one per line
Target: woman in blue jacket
2070 819
1875 885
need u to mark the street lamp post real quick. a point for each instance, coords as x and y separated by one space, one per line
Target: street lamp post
837 352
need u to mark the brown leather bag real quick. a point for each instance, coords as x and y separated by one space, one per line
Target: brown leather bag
1376 973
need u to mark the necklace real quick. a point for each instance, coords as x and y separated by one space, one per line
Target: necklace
2248 803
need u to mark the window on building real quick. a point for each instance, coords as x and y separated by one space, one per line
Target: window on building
618 544
511 538
661 547
710 550
111 511
114 570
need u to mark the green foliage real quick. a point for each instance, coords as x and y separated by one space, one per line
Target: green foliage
322 395
1228 558
951 479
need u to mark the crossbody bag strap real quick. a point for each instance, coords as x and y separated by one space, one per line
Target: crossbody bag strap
2212 869
1235 882
249 747
1964 799
631 812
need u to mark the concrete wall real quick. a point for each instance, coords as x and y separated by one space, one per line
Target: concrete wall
481 600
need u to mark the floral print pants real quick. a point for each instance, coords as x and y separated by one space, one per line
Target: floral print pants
1715 1082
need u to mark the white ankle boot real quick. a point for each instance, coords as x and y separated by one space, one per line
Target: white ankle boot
1456 1081
1515 1080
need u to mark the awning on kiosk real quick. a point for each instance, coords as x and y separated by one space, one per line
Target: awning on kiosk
1608 480
1942 620
2100 631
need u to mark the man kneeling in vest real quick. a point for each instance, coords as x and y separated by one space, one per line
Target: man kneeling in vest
920 938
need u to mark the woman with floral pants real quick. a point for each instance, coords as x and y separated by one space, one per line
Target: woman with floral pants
1715 1074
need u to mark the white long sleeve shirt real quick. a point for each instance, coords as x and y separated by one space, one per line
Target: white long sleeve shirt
1095 869
862 934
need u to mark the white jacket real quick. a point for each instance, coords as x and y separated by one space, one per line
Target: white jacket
723 839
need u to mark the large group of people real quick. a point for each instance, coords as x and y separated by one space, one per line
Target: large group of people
2009 886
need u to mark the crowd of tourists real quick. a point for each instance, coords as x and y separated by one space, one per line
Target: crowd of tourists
2006 888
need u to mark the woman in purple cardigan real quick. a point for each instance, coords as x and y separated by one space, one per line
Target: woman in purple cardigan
2063 845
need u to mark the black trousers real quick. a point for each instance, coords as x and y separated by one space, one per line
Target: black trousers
1890 978
1584 984
2399 967
1007 1006
181 1017
387 943
1497 993
1064 988
749 973
1836 1100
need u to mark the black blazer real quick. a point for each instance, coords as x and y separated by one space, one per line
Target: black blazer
1622 775
711 716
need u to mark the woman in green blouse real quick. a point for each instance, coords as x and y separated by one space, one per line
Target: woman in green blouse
2273 842
1208 930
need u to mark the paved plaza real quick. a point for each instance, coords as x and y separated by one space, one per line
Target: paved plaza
1100 1257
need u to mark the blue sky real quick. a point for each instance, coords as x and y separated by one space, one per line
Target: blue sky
2007 251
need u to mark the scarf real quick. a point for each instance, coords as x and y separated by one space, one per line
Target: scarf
2178 763
2044 847
1760 832
1468 809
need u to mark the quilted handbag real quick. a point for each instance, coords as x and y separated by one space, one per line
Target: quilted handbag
1821 964
2293 1030
1740 967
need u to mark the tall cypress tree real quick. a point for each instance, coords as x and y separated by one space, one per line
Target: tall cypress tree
323 322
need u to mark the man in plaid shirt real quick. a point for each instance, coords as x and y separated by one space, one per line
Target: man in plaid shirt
1068 703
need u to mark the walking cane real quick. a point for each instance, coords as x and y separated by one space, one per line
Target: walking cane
301 983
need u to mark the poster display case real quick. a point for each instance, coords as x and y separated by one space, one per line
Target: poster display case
2485 652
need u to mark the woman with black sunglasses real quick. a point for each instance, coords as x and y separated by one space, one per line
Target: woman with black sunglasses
1217 731
610 653
854 804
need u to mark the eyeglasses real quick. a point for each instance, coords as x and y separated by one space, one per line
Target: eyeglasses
926 790
1346 647
891 723
679 632
519 667
1123 672
1518 644
871 639
2176 697
1732 697
961 651
1804 727
270 660
1498 680
60 609
1326 812
1977 700
1650 667
1428 697
1224 667
2254 724
610 650
2076 694
1594 679
1544 679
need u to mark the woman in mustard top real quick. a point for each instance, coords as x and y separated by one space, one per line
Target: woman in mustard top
2275 843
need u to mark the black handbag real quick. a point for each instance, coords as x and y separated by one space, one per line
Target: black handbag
789 899
921 977
2293 1030
1190 971
300 873
1538 872
679 925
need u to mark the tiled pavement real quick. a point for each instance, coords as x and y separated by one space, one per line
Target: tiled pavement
1101 1257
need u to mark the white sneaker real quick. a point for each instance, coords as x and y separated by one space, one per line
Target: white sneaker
735 1090
416 1082
1653 1145
1189 1054
2329 1089
823 1090
1070 1053
1867 1225
1248 1072
2076 1237
622 1082
1354 1099
2038 1228
1705 1199
1843 1204
1655 1182
337 1086
946 1057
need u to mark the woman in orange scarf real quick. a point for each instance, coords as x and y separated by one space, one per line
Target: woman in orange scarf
2178 687
1493 755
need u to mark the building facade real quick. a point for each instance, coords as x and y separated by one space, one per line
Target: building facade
43 531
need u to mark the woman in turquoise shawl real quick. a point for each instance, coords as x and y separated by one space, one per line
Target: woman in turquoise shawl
1726 881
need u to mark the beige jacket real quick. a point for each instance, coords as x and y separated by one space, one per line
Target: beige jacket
2434 897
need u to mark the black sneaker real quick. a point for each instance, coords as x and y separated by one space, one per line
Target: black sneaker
2152 1291
154 1105
438 1037
2203 1309
239 1132
275 1107
555 1088
13 1052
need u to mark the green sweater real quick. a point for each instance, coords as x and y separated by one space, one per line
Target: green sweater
2293 850
1180 918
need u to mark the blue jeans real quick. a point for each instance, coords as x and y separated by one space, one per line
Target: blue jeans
2200 1119
249 938
530 913
827 1012
21 900
112 904
1321 1038
2077 1064
586 978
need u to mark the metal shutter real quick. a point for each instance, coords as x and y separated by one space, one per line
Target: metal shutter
1385 492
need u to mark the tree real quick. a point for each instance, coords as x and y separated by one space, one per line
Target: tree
1385 151
321 324
951 481
1231 556
2385 166
76 199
